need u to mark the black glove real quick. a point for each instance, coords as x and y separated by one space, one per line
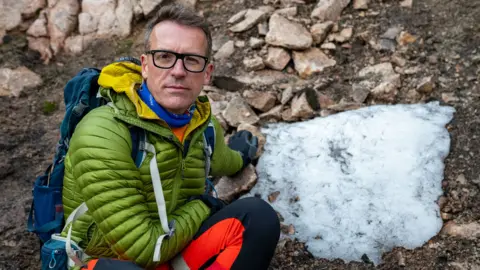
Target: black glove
211 202
245 143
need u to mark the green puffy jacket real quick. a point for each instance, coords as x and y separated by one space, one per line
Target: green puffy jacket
122 220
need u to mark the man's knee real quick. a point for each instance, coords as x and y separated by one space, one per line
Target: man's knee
262 216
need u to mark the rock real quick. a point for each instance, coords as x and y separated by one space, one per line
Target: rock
379 80
255 132
240 43
238 112
328 46
405 38
287 95
400 259
188 3
62 19
287 12
273 196
77 44
255 63
262 29
41 45
284 228
360 4
391 33
301 108
461 180
329 10
251 18
432 59
345 106
267 9
39 27
14 81
264 77
343 36
361 90
291 229
10 14
325 101
274 114
256 43
426 85
446 216
277 58
217 108
260 100
215 96
87 24
288 34
412 70
311 61
406 3
229 188
386 45
106 18
237 17
287 116
463 266
227 83
225 51
450 98
218 41
31 7
320 31
148 6
377 71
398 60
387 90
442 201
466 231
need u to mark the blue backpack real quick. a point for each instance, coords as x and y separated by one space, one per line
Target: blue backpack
80 96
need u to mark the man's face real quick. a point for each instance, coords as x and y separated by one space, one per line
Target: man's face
176 88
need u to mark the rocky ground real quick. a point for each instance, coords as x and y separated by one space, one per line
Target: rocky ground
276 61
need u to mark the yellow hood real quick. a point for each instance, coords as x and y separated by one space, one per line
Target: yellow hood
126 77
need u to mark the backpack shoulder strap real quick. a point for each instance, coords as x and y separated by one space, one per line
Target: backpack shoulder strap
139 137
208 148
209 135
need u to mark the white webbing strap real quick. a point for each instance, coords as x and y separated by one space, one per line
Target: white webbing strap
78 212
207 150
162 210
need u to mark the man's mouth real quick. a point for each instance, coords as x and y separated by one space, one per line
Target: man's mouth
177 87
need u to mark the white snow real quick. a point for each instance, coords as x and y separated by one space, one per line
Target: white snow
367 180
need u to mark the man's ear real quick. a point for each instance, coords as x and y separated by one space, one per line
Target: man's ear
144 59
208 74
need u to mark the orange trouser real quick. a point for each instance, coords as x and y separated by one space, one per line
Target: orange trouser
243 235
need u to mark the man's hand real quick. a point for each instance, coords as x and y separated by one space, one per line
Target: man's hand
211 202
245 143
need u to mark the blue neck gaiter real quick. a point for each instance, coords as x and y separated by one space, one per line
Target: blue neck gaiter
173 120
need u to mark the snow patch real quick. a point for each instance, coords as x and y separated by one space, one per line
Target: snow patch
367 180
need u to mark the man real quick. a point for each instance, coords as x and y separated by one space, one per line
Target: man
157 215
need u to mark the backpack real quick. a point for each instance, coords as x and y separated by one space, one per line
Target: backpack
46 215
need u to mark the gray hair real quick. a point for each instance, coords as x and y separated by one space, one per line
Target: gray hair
181 15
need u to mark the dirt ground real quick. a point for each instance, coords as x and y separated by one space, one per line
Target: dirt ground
450 34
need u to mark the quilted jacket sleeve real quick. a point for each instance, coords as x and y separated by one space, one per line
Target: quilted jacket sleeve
110 184
225 161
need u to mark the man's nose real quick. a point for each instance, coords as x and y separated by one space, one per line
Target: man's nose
178 70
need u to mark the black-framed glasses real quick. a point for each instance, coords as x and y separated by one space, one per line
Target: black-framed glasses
167 59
